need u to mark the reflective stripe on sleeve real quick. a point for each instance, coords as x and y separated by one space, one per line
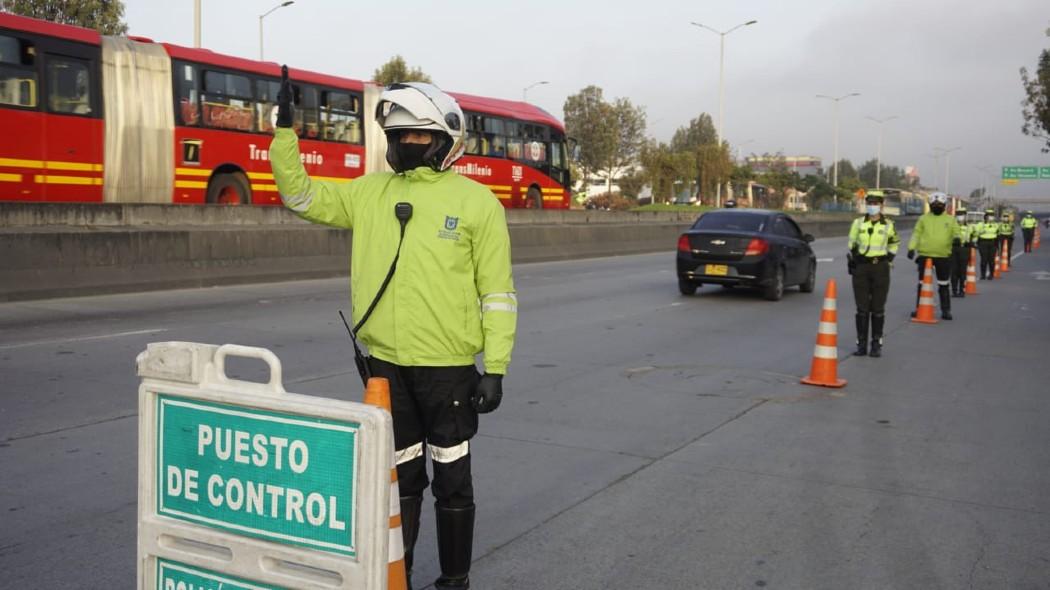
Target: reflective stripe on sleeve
450 454
499 307
510 296
299 203
405 455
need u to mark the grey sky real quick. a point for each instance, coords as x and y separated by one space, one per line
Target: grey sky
947 68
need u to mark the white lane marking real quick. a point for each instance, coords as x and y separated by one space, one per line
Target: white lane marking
1016 255
82 338
825 260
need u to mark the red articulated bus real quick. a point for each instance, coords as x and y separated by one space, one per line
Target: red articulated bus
92 118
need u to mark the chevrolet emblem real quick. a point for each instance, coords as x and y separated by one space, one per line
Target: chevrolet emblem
718 242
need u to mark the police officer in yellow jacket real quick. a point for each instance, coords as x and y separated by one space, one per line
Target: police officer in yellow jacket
450 297
872 244
933 237
1006 235
987 237
1028 223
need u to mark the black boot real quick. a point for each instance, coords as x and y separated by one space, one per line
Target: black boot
877 323
411 506
946 302
862 334
455 530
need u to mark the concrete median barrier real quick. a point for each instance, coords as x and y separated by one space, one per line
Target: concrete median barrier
71 250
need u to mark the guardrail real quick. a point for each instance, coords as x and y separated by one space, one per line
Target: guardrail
74 250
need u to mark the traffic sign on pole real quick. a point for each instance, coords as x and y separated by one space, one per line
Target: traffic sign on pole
243 485
1022 173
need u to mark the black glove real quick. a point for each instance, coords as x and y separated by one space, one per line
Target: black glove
284 100
911 254
488 394
851 264
890 256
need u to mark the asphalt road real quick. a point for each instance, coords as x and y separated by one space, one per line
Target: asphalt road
646 440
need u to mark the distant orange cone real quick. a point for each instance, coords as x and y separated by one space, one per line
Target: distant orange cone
924 314
377 393
824 369
971 273
1005 264
998 274
1035 241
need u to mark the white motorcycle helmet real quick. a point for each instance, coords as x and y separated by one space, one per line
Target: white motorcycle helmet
421 106
938 198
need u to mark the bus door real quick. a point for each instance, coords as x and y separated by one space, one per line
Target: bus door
72 130
21 143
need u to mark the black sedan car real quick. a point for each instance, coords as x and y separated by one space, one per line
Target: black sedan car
747 247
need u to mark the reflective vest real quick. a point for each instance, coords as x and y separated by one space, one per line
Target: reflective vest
873 238
987 230
933 235
1029 223
452 295
1006 229
966 233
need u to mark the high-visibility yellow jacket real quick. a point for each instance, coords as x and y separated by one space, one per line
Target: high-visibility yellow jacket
987 230
933 235
873 239
1029 223
1006 230
452 295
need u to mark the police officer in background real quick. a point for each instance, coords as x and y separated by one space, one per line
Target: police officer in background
872 244
933 237
1006 235
451 296
961 253
987 236
1028 223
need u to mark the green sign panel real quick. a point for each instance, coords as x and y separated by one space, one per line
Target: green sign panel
172 575
281 477
1026 172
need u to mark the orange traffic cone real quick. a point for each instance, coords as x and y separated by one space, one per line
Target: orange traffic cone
377 393
824 370
998 274
1035 244
924 314
1006 258
971 273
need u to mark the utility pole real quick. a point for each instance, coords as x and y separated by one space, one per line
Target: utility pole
835 174
878 152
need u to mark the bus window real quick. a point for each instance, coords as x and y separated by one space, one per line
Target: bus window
227 101
188 109
493 141
535 153
339 117
17 74
473 145
266 98
557 155
68 86
305 123
514 148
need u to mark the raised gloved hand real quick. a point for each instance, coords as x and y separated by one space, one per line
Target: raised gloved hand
489 393
285 96
911 254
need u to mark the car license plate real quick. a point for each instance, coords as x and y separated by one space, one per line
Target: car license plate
716 269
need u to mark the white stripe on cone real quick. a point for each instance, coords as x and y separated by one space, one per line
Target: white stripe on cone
825 352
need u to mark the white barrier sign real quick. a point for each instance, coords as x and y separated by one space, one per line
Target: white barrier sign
246 486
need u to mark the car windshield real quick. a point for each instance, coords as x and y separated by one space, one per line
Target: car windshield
731 221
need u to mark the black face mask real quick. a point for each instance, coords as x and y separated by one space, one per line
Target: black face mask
937 208
410 155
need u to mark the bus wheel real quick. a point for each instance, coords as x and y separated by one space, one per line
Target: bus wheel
533 198
228 189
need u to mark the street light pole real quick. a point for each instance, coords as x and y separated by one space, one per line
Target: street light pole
836 100
878 153
525 91
947 164
197 23
264 15
721 86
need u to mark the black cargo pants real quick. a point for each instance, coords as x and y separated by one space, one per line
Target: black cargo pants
432 412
